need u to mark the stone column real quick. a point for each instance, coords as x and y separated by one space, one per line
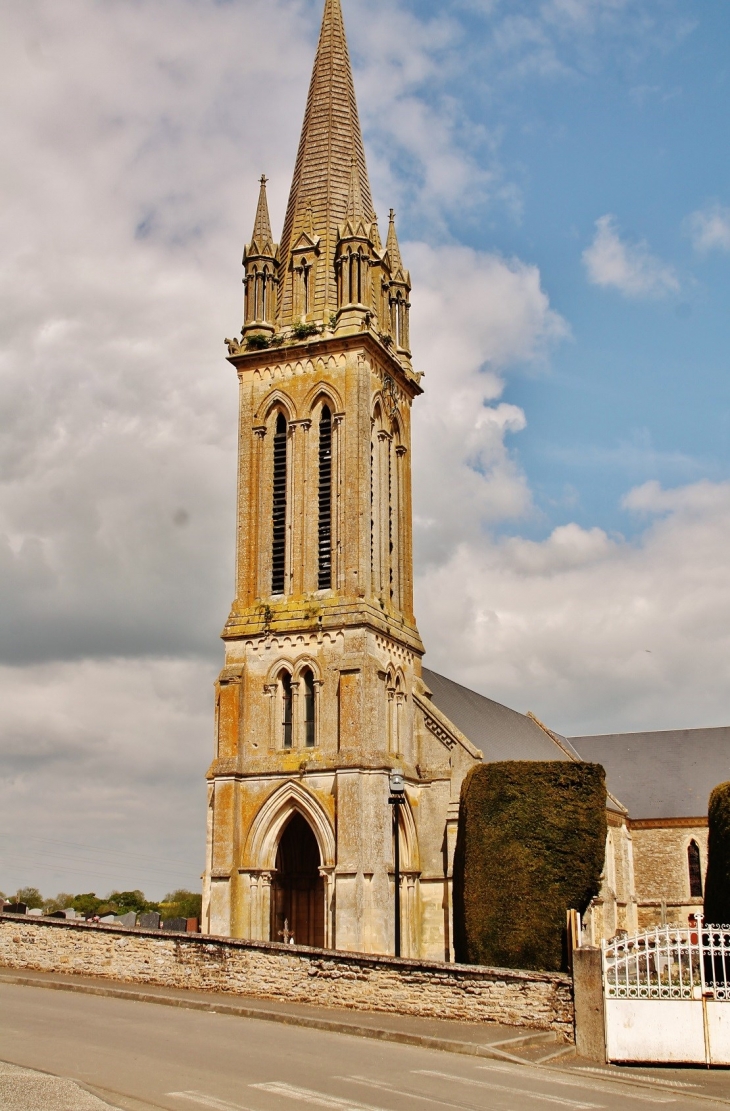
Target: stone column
265 907
590 1031
328 875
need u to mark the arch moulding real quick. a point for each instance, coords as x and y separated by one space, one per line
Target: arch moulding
263 839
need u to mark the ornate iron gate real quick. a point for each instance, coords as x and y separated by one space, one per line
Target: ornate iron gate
666 994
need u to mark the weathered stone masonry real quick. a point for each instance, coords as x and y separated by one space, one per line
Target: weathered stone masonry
428 989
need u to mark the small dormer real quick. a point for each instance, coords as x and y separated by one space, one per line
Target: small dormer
305 255
355 257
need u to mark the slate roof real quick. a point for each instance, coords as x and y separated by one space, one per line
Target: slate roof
500 733
663 774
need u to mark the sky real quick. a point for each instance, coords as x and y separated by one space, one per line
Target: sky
561 174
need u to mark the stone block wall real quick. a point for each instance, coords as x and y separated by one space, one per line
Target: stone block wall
661 869
428 989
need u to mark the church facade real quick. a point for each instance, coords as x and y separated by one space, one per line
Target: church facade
322 696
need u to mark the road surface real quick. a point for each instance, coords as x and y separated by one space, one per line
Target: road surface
139 1056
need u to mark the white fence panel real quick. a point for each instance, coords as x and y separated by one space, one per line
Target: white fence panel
718 1031
667 995
661 1030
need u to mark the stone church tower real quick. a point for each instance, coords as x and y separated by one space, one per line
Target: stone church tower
322 695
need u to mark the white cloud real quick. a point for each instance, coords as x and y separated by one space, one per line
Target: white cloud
493 313
101 779
592 631
710 228
629 267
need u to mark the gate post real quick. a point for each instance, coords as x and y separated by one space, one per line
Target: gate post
590 1022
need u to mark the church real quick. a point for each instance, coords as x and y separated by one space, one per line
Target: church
323 694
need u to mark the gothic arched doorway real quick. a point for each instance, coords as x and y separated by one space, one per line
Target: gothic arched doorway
297 888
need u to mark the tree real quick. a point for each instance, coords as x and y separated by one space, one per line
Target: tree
31 896
717 882
62 901
181 904
87 905
125 901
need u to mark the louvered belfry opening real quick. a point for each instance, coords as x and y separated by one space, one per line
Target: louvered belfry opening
278 555
325 499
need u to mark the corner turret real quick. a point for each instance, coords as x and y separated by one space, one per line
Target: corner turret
261 279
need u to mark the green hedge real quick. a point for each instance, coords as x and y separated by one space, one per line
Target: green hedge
717 883
530 845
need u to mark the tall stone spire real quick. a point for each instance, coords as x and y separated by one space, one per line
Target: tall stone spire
262 225
331 138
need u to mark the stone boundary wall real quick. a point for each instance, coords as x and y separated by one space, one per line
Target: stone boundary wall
293 974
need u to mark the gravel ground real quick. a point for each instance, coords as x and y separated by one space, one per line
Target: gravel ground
26 1090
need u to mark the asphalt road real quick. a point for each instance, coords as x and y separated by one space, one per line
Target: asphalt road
138 1056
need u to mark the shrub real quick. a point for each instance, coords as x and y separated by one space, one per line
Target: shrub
717 882
530 845
301 330
258 342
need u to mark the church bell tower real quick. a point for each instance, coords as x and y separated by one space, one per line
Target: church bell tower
317 701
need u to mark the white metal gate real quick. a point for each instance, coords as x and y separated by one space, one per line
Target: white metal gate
667 995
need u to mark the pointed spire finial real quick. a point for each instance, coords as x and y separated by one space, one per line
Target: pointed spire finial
262 224
396 262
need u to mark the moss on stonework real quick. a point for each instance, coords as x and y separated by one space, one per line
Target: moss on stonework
530 845
717 883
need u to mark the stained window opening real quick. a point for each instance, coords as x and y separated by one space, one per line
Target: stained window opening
278 553
695 870
309 723
286 706
324 580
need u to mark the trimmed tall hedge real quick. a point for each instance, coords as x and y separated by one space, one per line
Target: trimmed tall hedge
717 883
531 844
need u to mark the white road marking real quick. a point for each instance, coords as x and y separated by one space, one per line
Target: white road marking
511 1091
208 1101
573 1082
383 1086
321 1099
641 1079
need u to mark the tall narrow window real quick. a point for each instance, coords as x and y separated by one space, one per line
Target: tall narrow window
695 870
278 552
286 709
305 283
309 723
325 500
390 519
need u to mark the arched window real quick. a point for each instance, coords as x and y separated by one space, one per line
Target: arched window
278 547
324 580
695 870
286 709
309 710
